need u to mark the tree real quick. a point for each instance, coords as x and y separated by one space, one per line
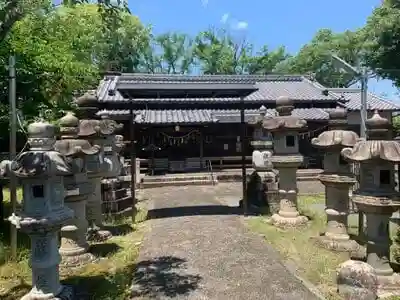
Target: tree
11 11
61 52
381 37
265 61
216 52
176 52
315 57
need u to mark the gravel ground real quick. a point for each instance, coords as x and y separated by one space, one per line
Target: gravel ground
198 248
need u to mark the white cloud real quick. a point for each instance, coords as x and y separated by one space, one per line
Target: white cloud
241 25
225 18
204 3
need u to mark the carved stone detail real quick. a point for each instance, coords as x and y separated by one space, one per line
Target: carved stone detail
40 172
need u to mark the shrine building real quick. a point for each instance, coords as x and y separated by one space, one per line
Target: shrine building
195 121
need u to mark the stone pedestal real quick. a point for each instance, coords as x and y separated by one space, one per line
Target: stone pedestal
337 179
288 214
74 246
94 212
40 172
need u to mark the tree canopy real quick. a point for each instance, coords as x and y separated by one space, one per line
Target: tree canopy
64 49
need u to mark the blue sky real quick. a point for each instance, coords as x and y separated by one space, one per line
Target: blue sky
291 23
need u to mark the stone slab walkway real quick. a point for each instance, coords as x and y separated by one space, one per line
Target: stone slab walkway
198 248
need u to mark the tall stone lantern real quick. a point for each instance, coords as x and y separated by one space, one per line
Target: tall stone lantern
262 185
41 172
102 133
377 197
286 159
74 246
337 179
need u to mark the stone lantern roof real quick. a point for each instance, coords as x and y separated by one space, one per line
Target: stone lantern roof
337 135
41 160
70 145
285 120
377 146
87 104
101 128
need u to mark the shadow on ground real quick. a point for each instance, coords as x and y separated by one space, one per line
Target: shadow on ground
104 249
163 276
201 210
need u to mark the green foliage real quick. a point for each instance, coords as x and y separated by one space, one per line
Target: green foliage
396 125
60 52
315 57
63 50
382 40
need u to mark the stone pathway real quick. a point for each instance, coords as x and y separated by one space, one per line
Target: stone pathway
199 248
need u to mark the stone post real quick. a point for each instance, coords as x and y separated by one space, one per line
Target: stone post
74 246
263 186
286 159
377 196
338 179
40 172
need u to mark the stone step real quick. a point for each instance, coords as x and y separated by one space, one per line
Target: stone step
183 182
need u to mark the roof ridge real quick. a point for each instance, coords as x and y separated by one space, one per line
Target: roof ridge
383 99
319 86
222 77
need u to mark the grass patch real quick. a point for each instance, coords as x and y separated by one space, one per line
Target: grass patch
109 278
313 263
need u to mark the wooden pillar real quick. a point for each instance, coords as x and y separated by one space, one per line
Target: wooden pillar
242 140
201 149
133 161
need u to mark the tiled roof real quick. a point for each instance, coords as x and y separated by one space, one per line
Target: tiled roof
201 116
270 87
233 116
172 116
373 102
299 88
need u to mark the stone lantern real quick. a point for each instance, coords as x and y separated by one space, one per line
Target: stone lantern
74 245
262 186
337 179
120 146
41 172
101 133
376 196
286 159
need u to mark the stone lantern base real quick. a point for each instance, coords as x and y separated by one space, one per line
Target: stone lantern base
378 210
284 221
76 258
96 230
288 215
337 243
337 200
66 293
